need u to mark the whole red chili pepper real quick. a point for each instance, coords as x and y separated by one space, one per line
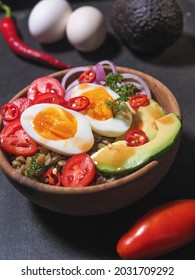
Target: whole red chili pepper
10 34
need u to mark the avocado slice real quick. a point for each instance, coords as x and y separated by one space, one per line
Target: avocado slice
144 118
118 157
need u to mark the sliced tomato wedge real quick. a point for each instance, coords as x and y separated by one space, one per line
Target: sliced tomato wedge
44 85
14 140
87 76
78 171
78 103
10 112
136 137
52 98
138 100
23 103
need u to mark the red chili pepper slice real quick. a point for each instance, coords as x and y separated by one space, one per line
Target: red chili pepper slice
138 100
78 103
87 76
136 137
52 177
10 112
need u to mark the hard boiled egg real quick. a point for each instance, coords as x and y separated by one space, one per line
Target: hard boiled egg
47 20
58 129
99 114
86 28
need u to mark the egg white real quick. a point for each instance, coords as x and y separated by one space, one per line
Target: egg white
112 127
82 141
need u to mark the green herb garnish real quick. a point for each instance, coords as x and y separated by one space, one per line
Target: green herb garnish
125 91
35 169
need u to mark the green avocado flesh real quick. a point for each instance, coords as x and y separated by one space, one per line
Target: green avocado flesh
118 157
145 117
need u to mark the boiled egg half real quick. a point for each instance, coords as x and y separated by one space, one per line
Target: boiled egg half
99 114
58 129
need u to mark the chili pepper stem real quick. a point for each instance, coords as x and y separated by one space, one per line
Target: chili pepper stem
10 34
6 9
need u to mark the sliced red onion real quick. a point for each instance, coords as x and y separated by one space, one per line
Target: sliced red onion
72 72
138 82
73 84
100 72
110 63
68 92
100 78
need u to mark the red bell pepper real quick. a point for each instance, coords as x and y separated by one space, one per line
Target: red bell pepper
161 230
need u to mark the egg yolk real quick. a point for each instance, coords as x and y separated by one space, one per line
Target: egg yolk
97 108
55 123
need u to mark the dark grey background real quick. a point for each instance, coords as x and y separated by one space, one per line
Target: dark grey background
30 232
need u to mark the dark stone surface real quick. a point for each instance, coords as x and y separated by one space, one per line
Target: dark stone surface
30 232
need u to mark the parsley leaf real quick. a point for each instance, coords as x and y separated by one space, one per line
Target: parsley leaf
35 169
125 91
112 80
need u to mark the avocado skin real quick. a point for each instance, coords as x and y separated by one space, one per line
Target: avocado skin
147 25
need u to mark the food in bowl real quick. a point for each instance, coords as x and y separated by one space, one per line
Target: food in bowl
94 126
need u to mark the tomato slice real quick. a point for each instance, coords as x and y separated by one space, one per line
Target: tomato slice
78 171
136 137
44 85
10 112
87 76
14 140
78 103
23 103
138 100
49 98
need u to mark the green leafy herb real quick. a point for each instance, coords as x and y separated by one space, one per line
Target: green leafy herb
125 91
112 80
35 169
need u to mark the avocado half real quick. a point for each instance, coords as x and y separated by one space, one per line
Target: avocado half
119 158
147 25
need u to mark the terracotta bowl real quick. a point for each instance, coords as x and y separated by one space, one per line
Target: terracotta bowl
105 197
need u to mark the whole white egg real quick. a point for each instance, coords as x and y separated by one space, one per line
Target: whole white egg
58 129
86 28
48 19
99 114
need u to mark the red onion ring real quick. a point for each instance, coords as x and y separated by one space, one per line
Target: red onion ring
138 82
110 63
72 72
101 76
100 73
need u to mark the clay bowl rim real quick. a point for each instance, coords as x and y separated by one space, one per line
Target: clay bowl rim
127 179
